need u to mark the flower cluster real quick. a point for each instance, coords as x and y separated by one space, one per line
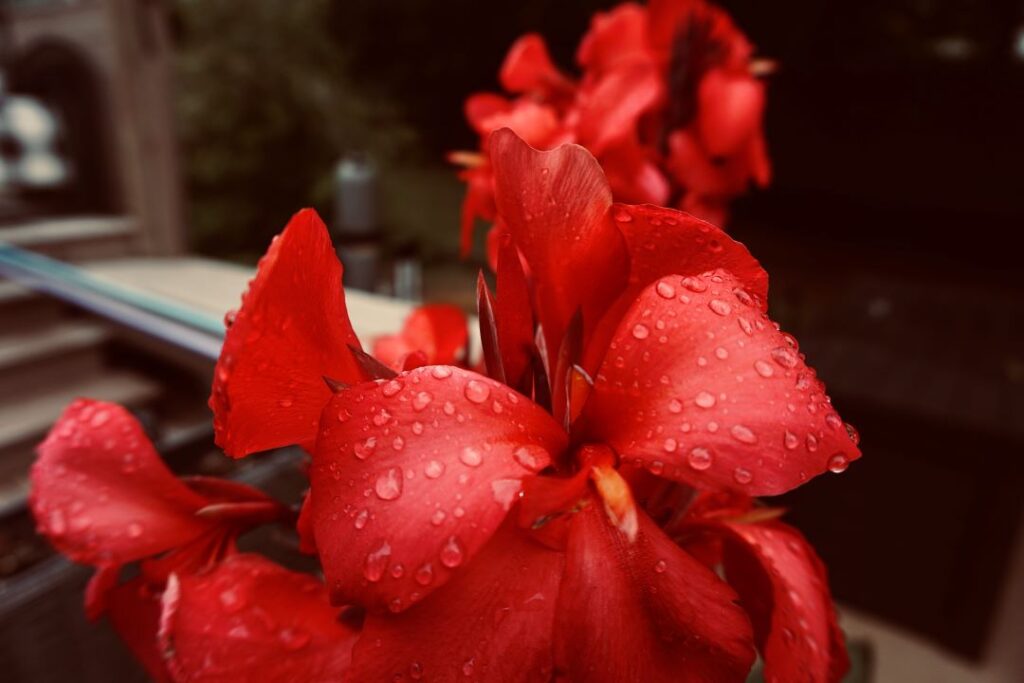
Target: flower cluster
669 102
580 508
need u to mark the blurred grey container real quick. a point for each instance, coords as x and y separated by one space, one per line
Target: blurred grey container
355 220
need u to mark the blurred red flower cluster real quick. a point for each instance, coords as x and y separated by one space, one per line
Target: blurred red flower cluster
669 102
578 507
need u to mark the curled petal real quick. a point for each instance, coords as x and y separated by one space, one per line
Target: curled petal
413 475
616 38
102 495
493 622
250 619
528 69
555 205
644 611
729 111
134 611
701 386
438 330
784 587
291 330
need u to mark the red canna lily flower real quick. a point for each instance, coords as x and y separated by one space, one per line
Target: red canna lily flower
500 527
103 497
669 102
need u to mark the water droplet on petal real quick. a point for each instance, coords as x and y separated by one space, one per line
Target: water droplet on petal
665 290
424 575
437 519
421 400
471 457
719 307
838 463
294 638
675 406
622 216
377 562
784 357
416 669
640 331
232 601
699 458
391 388
441 372
660 566
742 476
531 456
476 391
389 484
285 403
434 469
705 399
743 434
134 530
763 368
365 450
790 440
452 553
670 445
812 443
852 432
694 284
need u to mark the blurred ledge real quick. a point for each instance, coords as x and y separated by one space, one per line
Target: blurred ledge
74 238
215 287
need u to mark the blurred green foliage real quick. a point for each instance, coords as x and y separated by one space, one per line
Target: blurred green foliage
266 106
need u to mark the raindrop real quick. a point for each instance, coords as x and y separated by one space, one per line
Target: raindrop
285 403
134 530
421 400
389 485
294 638
441 372
365 450
719 307
694 284
398 444
665 290
381 418
742 476
743 434
476 391
531 456
705 399
675 406
434 469
391 388
424 575
471 457
622 216
763 368
437 519
852 432
361 519
232 601
452 553
790 440
699 458
812 443
670 445
721 353
660 566
784 357
640 331
468 666
377 562
833 421
838 463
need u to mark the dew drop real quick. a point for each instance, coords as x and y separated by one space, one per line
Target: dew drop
812 443
441 372
670 445
743 434
719 307
437 519
421 400
852 432
361 519
763 368
622 216
134 530
640 331
471 457
675 406
476 391
699 458
285 403
294 638
391 388
382 418
434 469
452 553
721 353
665 290
232 601
531 456
389 484
742 476
838 463
377 563
660 566
424 575
790 440
705 399
398 443
833 421
694 284
365 450
784 357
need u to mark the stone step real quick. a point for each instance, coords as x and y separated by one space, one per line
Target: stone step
61 353
25 420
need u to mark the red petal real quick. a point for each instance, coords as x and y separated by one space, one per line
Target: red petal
439 330
217 490
612 105
644 611
478 203
481 106
668 242
291 331
730 107
250 619
493 622
304 526
700 386
632 175
528 68
102 495
616 37
413 475
693 168
134 612
555 205
97 591
538 124
513 315
784 587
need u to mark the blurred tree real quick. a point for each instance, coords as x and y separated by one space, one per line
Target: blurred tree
266 106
